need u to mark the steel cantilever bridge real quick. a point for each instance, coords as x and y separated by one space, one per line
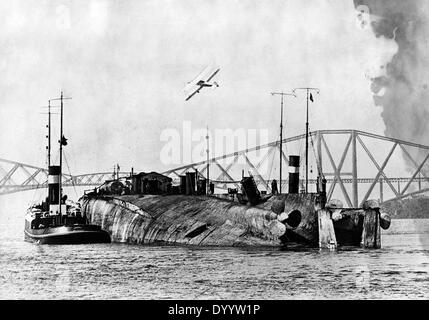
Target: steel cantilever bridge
23 177
353 162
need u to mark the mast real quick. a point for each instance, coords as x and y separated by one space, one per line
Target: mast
306 133
61 147
52 172
48 201
49 133
306 149
208 164
281 133
281 145
61 141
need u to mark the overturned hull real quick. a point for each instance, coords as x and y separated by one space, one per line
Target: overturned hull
191 220
210 221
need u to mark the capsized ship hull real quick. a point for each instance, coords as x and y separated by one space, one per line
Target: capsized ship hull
181 219
205 220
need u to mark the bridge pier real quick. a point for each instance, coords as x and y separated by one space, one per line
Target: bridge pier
327 239
371 234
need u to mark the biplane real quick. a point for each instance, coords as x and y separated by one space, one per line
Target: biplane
202 83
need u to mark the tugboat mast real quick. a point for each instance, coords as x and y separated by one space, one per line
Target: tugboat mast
208 162
49 133
61 147
48 147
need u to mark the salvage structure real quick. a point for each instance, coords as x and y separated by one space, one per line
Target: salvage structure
184 214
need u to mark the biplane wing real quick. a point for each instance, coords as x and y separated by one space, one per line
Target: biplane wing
203 83
214 73
194 93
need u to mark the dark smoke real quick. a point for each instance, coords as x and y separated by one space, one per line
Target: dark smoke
405 100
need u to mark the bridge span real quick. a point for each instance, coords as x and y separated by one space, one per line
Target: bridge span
358 165
22 177
353 162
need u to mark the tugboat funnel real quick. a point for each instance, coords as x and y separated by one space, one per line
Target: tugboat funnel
54 184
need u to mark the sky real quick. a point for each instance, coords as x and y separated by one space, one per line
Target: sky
125 64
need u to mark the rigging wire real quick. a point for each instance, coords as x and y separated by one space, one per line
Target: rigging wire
285 151
318 164
300 146
246 165
35 192
272 161
279 141
72 181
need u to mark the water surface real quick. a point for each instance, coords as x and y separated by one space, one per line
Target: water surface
120 271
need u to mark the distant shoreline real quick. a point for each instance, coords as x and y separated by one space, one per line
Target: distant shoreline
412 208
408 226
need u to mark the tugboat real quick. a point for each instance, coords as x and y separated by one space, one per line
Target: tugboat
58 220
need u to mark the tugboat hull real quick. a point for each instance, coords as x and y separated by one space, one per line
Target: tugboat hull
67 235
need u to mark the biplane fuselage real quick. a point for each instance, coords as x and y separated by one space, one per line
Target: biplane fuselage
204 83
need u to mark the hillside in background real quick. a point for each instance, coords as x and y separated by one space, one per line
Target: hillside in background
412 208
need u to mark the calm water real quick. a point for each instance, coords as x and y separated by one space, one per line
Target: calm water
120 271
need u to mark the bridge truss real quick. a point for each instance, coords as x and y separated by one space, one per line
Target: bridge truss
357 165
17 176
353 162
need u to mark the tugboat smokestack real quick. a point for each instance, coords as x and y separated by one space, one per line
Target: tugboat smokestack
54 184
293 174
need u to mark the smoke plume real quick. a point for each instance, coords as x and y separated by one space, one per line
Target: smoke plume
403 91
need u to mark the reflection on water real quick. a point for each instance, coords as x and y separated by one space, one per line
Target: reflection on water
120 271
